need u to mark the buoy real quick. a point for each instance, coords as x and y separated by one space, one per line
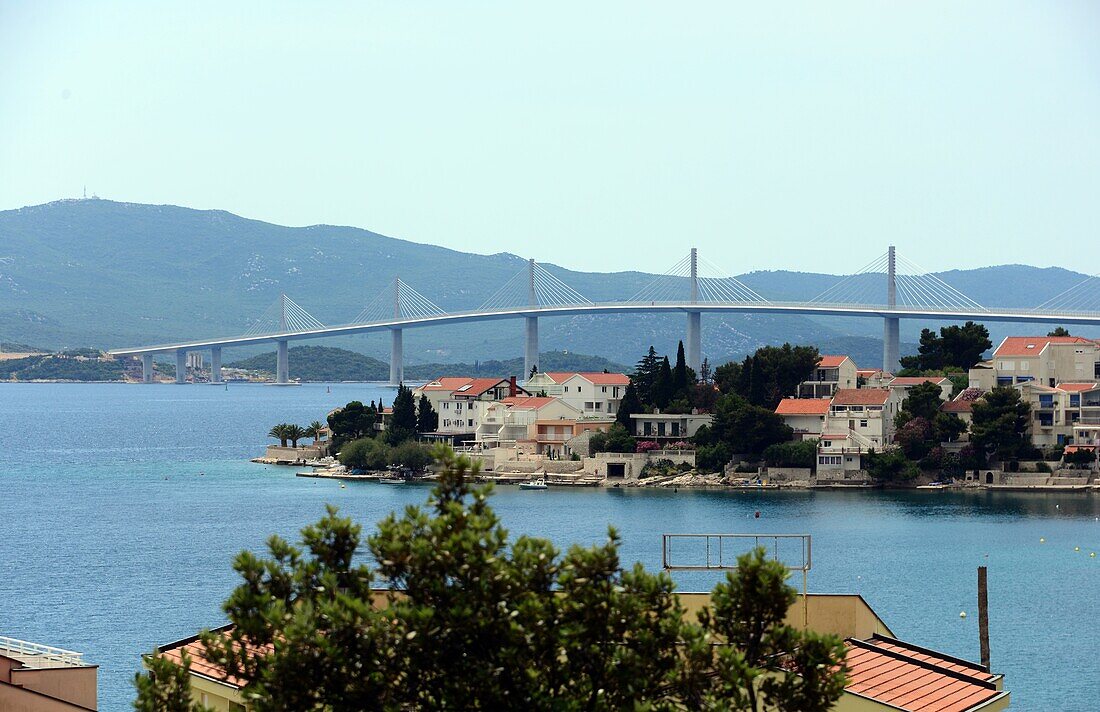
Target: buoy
1042 540
1093 554
962 614
1077 548
757 515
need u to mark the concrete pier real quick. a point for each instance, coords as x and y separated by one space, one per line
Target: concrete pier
530 345
181 366
216 365
891 326
397 358
147 368
282 363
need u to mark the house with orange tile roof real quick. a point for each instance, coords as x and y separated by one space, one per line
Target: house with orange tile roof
859 420
885 674
805 416
831 373
1047 360
513 419
461 410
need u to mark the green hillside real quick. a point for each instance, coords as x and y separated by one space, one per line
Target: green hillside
107 274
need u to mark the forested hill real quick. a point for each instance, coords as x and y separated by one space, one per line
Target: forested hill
108 274
321 363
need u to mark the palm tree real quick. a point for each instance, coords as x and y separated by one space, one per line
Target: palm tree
279 431
294 433
314 431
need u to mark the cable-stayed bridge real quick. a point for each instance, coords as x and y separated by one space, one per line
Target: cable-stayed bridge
890 288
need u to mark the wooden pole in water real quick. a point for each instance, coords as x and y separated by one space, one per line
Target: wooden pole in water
983 615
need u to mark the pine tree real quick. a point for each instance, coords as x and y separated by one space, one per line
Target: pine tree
402 425
427 420
662 391
628 406
680 373
645 374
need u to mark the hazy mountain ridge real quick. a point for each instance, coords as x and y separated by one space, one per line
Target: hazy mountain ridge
97 272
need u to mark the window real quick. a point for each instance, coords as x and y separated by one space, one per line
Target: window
446 405
647 428
470 423
603 389
828 460
675 428
661 428
597 406
863 423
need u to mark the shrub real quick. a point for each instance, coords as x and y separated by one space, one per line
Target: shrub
647 446
794 454
365 454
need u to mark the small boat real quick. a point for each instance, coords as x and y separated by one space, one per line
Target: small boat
392 480
932 486
539 484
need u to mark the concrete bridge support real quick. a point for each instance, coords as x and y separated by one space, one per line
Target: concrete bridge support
216 364
282 363
181 366
397 358
891 344
530 346
891 327
147 368
693 346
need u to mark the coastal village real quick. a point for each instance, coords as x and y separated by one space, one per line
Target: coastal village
555 426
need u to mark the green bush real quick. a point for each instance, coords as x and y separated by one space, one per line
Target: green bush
365 454
802 453
412 455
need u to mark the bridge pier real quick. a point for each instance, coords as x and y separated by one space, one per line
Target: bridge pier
147 368
530 346
891 344
397 358
181 366
891 327
693 347
216 364
282 363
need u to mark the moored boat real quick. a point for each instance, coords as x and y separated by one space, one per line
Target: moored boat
539 484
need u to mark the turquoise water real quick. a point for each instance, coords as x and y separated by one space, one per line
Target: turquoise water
113 541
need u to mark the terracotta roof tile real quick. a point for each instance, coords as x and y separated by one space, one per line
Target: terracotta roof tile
831 361
1077 387
915 679
861 396
803 406
1032 345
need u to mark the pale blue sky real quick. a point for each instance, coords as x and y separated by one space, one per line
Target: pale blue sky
594 135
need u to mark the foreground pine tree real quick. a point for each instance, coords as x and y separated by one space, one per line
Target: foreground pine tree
463 619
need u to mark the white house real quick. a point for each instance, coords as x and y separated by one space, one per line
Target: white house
594 394
805 416
831 373
668 427
460 412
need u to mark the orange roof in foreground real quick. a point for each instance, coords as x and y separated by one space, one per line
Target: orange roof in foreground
915 679
1032 345
533 402
830 361
803 406
861 396
199 664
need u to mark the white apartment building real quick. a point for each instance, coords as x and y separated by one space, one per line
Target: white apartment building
594 394
461 411
1062 415
514 419
805 416
831 374
668 427
902 384
1047 360
859 420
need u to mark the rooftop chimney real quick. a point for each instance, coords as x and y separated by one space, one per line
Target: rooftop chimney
512 387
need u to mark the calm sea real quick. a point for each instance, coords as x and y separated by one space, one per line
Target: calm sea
121 507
